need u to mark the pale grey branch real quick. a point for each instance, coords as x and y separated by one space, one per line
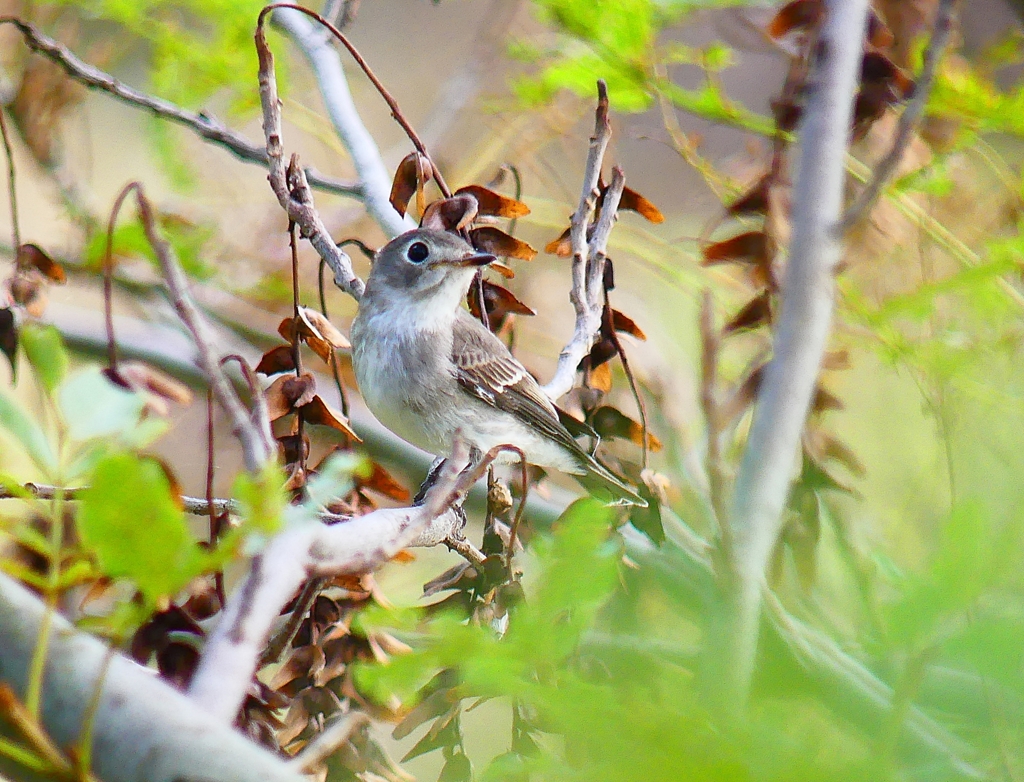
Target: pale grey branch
762 484
585 300
374 180
144 729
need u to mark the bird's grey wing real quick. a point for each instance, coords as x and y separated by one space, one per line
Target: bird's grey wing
485 369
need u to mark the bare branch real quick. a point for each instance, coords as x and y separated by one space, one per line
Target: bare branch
326 63
294 195
196 506
310 550
585 301
396 110
257 443
762 484
909 120
202 124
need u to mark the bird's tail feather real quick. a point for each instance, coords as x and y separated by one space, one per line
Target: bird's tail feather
603 483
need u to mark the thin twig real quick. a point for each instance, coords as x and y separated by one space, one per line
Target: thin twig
218 576
196 506
300 417
909 120
588 317
257 448
517 520
713 419
205 126
335 369
18 714
631 379
293 191
327 743
325 61
108 274
396 111
282 639
11 183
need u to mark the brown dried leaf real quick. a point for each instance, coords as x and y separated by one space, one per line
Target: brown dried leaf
316 331
822 446
562 246
627 325
152 382
500 303
320 413
757 312
879 35
787 114
303 663
491 203
635 202
289 445
604 350
277 360
449 214
825 400
836 360
796 15
754 201
601 377
493 240
412 174
28 289
288 392
743 396
753 247
610 422
382 482
31 256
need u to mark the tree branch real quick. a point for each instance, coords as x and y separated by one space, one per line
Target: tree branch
909 120
306 551
290 185
258 446
326 63
202 124
762 485
587 268
143 728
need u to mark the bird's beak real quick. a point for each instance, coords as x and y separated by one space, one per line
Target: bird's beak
477 259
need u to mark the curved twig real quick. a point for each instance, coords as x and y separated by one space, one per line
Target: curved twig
202 124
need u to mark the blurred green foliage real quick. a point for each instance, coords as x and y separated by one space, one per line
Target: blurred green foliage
617 40
197 48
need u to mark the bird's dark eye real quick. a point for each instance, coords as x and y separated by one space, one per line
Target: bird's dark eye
417 252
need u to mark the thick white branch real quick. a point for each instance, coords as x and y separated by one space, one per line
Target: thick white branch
143 729
275 575
762 484
374 180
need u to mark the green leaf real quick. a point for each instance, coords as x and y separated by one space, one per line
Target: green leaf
93 406
28 434
131 521
45 351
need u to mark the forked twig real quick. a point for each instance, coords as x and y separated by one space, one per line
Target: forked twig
588 255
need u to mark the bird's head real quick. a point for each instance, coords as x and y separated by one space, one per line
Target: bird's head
425 268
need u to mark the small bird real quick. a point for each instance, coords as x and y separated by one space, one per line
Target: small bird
427 368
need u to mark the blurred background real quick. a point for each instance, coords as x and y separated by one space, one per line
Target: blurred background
930 407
